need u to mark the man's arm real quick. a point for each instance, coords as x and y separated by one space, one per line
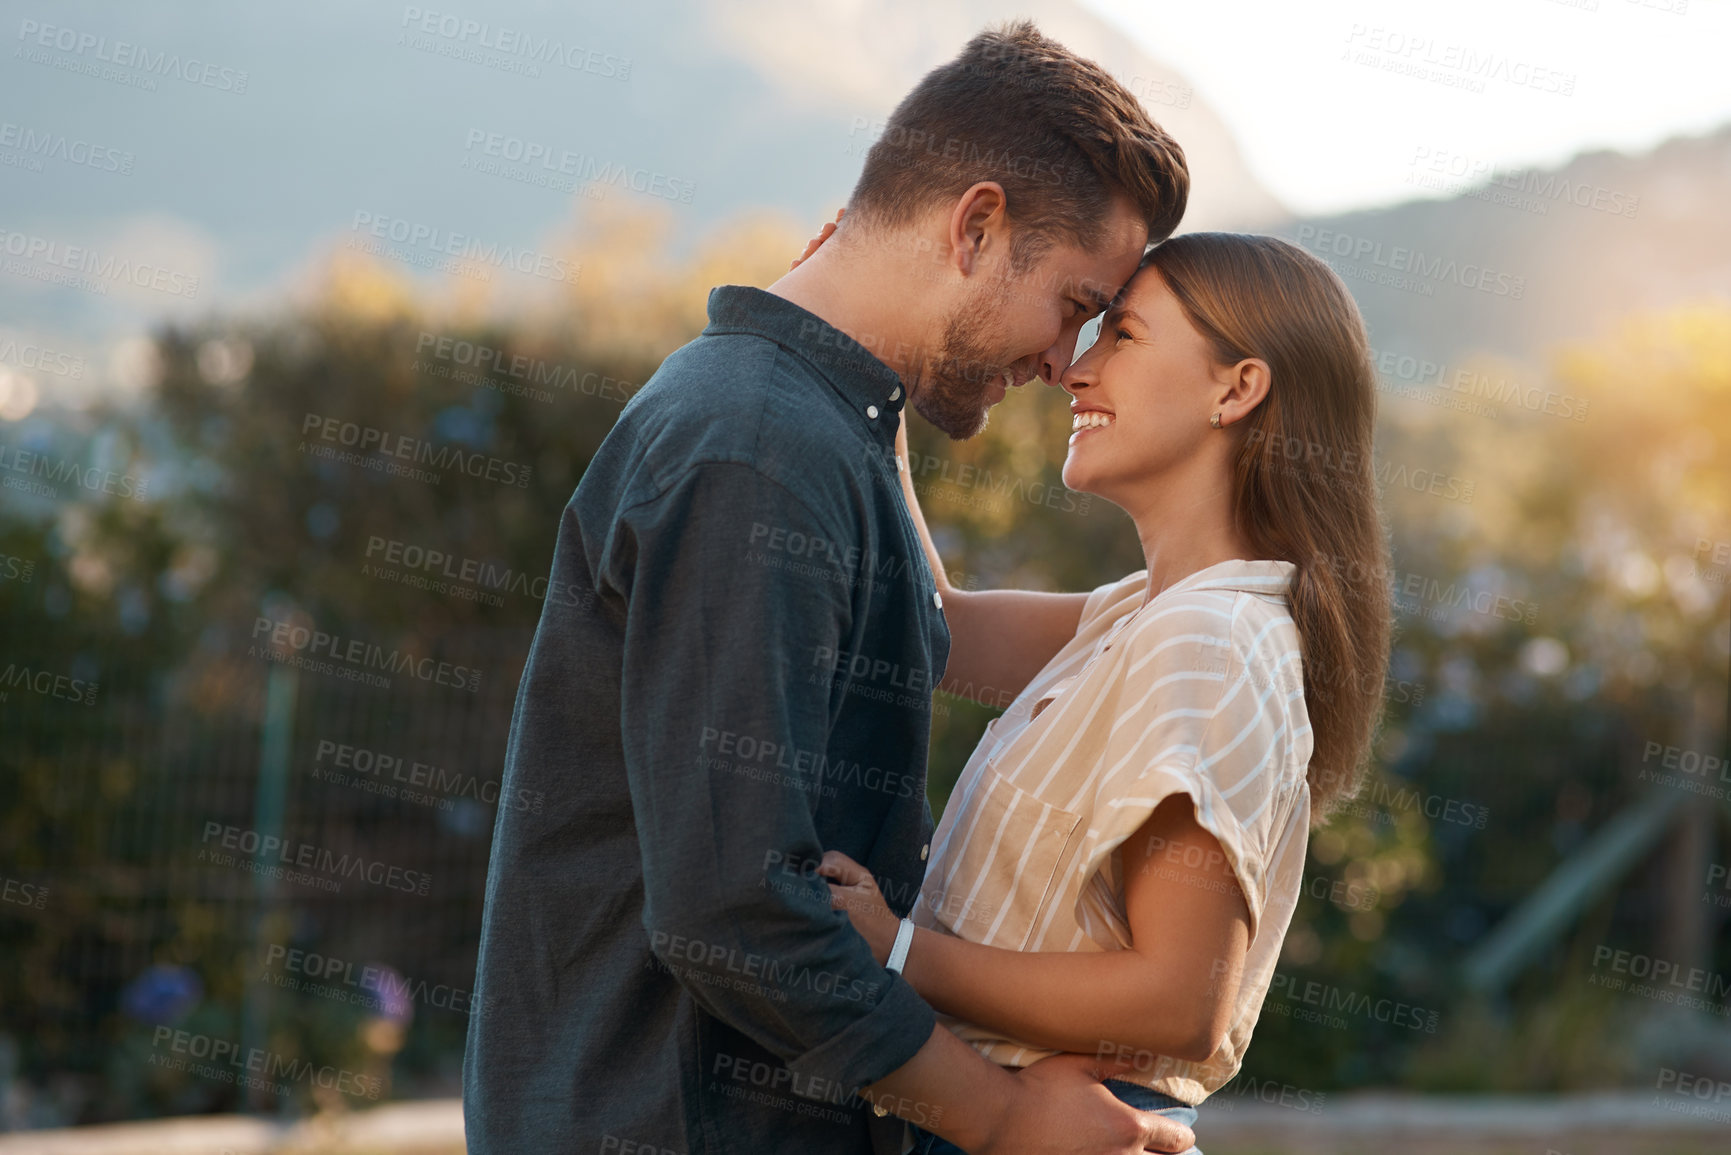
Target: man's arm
1057 1105
724 735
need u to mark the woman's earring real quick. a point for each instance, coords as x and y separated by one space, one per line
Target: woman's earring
1214 421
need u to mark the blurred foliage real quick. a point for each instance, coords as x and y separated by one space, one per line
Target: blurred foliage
1537 723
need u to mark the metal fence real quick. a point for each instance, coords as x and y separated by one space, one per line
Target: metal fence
250 869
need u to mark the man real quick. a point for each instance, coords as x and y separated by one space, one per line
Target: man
745 679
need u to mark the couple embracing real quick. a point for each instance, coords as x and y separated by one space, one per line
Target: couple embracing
732 926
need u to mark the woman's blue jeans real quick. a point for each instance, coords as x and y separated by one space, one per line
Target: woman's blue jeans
1138 1096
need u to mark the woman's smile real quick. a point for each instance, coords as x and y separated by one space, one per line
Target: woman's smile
1087 419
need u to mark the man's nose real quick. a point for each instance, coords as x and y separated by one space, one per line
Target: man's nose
1054 361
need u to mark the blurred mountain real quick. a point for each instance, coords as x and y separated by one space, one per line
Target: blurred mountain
1518 261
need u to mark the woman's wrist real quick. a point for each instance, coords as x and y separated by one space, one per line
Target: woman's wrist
917 968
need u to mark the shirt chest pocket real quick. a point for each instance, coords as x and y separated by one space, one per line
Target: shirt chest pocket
1005 869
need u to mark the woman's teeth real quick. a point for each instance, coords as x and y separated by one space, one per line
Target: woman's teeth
1091 419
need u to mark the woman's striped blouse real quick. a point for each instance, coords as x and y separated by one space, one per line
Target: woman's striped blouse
1200 693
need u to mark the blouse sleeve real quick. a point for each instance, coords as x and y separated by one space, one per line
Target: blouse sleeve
1204 712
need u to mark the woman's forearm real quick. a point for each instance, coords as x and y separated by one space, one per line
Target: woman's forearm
1067 1001
905 469
999 639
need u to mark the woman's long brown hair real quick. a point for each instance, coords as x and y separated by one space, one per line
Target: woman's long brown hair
1304 490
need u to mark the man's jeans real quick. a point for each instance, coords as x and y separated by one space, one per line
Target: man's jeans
1138 1096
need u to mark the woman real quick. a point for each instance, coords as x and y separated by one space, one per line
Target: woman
1119 862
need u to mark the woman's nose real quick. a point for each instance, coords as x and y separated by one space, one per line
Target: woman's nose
1079 375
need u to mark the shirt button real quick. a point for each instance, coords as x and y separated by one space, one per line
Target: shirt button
872 411
937 599
925 850
897 393
880 1112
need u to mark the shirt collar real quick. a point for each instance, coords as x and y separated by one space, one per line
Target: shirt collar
868 386
1268 578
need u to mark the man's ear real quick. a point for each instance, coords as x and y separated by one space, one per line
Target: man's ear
979 220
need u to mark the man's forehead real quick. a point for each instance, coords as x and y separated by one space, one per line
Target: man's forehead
1101 275
1088 281
1119 238
1123 231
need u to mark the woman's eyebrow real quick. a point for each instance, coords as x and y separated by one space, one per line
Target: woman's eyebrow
1119 311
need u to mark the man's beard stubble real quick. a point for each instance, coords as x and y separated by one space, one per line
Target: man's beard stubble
952 389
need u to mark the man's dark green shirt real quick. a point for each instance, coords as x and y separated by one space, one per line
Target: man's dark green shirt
732 674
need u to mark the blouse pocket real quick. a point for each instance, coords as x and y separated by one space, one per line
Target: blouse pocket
1004 873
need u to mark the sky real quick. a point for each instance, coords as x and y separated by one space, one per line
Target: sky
1335 103
244 192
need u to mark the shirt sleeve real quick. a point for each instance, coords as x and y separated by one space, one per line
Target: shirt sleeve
727 593
1203 714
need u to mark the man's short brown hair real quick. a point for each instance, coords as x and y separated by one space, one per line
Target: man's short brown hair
1057 131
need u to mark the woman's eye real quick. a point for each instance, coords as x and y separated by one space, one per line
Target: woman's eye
1121 334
